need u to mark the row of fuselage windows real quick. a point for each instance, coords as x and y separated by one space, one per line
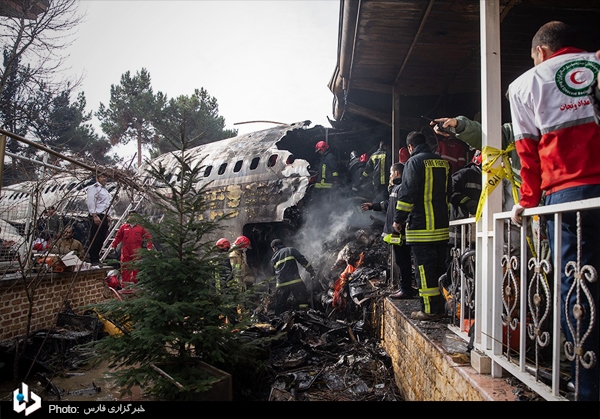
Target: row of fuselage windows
237 167
51 189
175 177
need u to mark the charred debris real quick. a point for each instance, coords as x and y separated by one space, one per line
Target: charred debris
330 352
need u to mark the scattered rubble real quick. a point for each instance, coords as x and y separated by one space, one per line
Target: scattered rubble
330 352
327 360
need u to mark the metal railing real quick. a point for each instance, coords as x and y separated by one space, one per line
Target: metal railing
523 287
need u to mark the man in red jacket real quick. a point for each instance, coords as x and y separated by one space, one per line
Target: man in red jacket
132 235
558 145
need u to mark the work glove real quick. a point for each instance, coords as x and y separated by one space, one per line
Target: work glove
515 214
471 206
312 273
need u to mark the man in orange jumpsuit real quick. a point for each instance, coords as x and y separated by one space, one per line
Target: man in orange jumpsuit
132 235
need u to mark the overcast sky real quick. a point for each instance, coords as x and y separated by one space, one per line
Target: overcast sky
262 60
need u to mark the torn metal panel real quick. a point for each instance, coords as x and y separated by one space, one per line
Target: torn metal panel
249 177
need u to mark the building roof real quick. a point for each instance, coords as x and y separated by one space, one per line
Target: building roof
27 10
429 51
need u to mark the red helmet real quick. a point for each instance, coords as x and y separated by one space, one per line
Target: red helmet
364 158
477 157
242 242
321 146
223 244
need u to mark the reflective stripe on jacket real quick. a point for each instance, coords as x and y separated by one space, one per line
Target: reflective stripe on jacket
423 199
285 264
328 171
553 122
378 166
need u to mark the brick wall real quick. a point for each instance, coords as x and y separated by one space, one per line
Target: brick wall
425 372
85 287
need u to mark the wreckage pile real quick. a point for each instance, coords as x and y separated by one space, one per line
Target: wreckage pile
332 352
325 360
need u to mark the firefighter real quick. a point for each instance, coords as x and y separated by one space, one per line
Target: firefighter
454 151
224 271
378 168
355 169
402 254
422 215
466 189
328 171
239 264
285 264
132 235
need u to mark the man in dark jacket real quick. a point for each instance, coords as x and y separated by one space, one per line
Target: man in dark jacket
285 264
356 166
422 214
466 189
402 255
328 170
378 168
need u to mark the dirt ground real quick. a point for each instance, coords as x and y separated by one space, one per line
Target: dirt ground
84 384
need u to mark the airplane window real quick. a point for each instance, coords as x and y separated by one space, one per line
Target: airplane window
54 189
290 159
238 166
207 171
254 163
72 185
47 189
272 160
222 168
62 187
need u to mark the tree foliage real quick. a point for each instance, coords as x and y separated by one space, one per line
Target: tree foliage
33 46
179 315
199 113
132 111
66 128
31 86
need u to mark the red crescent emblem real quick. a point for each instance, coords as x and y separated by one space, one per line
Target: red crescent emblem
573 79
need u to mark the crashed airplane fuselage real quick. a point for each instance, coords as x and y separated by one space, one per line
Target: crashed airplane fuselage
249 178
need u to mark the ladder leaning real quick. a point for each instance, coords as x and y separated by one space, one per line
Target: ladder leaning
133 205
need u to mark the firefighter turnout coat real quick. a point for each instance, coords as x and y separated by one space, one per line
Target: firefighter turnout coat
389 235
285 266
423 199
328 173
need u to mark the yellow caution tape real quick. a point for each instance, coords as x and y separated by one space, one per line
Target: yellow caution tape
495 166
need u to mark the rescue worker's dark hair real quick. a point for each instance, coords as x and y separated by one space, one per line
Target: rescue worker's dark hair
398 167
415 138
554 35
277 243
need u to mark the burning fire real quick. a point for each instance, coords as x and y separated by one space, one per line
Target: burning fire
339 301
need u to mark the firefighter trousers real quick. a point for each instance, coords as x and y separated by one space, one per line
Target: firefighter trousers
430 265
402 257
282 293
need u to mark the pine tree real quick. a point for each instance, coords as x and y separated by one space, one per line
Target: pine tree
178 316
